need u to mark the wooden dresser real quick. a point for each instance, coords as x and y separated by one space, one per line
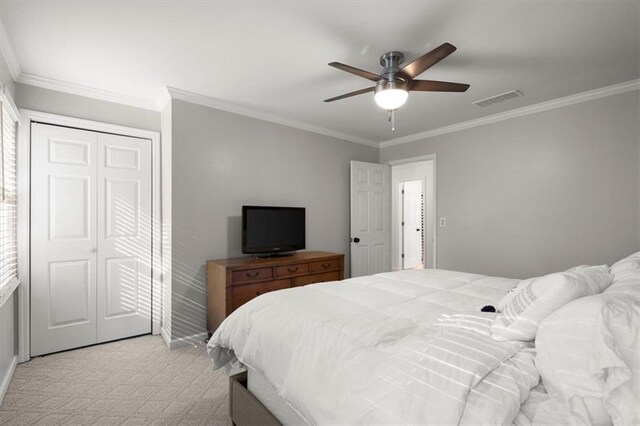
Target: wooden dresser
233 282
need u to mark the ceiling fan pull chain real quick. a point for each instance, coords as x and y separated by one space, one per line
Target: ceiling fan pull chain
392 118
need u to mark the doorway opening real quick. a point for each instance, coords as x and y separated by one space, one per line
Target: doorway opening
412 224
413 230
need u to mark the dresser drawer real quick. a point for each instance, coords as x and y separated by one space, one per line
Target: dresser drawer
316 278
325 265
241 294
252 274
285 271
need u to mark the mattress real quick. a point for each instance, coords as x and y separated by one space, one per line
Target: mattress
400 347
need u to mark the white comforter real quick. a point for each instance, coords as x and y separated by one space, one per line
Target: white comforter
400 347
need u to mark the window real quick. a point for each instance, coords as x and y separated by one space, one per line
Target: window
8 197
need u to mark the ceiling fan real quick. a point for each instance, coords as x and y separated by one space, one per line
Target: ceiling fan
394 83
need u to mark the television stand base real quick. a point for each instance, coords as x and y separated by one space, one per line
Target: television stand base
270 255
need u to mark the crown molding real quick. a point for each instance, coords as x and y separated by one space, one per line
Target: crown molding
173 93
7 52
519 112
89 92
183 95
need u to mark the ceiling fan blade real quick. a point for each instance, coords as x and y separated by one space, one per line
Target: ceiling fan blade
437 86
348 95
357 71
428 60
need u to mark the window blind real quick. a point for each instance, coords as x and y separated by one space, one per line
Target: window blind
8 202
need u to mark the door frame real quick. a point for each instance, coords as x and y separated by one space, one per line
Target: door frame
434 226
24 220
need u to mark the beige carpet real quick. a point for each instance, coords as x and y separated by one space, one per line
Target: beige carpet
136 381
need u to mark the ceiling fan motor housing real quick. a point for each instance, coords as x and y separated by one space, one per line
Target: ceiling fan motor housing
391 61
392 77
391 85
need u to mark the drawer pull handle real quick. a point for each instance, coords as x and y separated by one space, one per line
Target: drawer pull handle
292 269
258 293
253 274
326 265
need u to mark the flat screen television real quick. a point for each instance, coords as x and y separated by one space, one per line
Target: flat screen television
272 230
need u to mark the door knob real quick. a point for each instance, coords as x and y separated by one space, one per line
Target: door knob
417 229
92 249
355 240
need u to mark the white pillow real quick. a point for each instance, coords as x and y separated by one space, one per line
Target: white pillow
587 352
522 284
627 282
561 366
631 262
507 298
539 297
622 367
575 268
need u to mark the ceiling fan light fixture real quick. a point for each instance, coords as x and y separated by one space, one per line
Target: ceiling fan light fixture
391 95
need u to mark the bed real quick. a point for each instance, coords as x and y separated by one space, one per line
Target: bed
406 347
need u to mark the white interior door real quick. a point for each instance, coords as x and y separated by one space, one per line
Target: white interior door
412 223
63 238
124 237
90 237
370 221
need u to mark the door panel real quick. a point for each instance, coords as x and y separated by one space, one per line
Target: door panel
122 208
69 207
124 237
69 284
379 258
370 218
69 152
121 286
63 238
118 157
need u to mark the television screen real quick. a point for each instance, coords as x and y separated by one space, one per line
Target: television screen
272 229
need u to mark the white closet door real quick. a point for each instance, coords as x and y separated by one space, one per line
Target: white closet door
63 238
124 237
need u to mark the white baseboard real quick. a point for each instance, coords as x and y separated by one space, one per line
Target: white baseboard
165 336
7 378
194 339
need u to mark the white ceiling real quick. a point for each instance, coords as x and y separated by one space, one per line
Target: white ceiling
272 56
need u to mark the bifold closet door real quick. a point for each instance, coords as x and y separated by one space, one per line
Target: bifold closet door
63 238
91 231
124 237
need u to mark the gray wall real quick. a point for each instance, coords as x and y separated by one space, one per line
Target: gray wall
540 193
8 335
221 161
45 100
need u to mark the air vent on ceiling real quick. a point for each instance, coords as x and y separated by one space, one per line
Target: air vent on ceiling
498 98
